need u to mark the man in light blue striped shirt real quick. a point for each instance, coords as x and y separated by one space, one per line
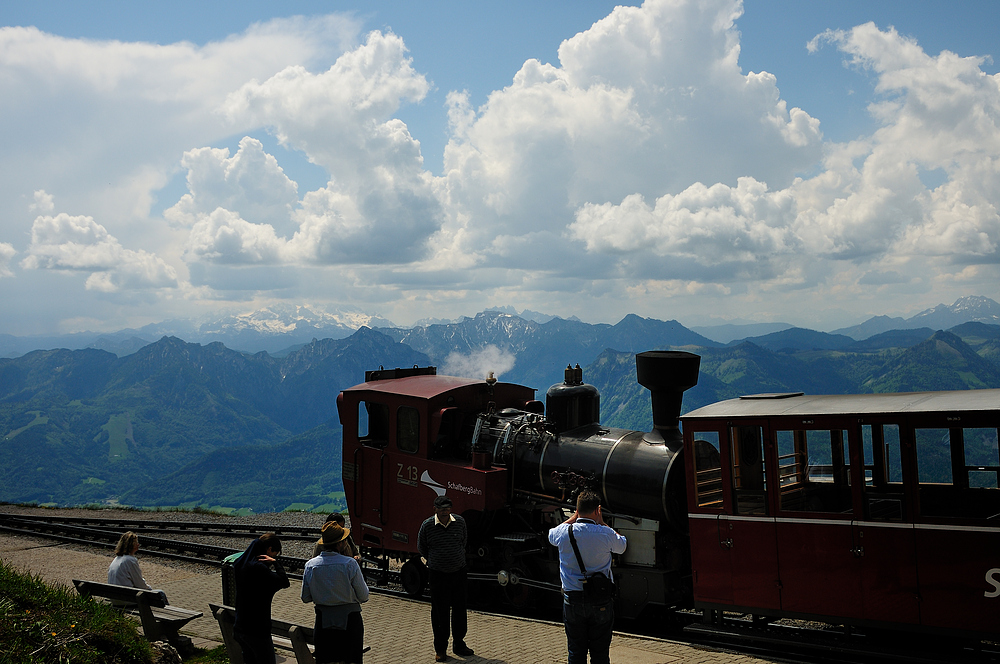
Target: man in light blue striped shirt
588 624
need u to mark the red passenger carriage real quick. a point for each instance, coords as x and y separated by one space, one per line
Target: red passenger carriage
877 509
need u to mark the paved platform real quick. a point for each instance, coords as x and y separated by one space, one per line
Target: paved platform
397 630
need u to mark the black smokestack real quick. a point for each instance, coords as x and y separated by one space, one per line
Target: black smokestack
666 374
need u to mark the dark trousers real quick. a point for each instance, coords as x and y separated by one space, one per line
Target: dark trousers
257 648
448 597
340 645
588 628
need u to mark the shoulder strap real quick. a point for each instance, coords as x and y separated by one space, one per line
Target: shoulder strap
576 550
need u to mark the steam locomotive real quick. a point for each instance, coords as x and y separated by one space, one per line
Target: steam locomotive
850 509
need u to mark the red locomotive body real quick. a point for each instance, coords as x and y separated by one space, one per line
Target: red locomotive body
876 509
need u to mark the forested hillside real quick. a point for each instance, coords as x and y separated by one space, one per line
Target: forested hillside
85 426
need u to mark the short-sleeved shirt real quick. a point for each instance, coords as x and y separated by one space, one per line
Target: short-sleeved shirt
596 544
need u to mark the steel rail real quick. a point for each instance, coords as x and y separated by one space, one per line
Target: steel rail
166 548
178 527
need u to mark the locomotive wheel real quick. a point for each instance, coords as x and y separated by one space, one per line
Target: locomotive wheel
413 576
518 595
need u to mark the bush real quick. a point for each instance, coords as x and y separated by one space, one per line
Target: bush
42 623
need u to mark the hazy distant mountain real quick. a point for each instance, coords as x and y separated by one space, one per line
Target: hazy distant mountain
892 339
271 329
967 309
278 327
873 326
120 347
526 314
798 338
731 332
974 308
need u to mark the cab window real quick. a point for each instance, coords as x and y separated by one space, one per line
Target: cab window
373 424
408 429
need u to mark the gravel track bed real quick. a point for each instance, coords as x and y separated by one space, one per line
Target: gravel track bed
292 548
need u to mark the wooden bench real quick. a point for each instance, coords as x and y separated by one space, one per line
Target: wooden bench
289 636
286 635
159 620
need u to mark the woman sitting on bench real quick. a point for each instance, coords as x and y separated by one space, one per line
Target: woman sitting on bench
124 569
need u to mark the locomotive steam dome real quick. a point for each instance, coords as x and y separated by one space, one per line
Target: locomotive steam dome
572 403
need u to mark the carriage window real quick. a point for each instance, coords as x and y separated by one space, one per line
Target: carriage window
373 423
883 463
814 471
708 469
749 476
407 429
933 456
883 470
981 457
958 469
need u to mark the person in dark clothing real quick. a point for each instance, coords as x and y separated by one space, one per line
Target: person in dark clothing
338 518
441 540
258 577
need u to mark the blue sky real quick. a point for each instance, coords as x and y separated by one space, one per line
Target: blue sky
414 160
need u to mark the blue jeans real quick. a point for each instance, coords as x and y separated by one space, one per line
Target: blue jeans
588 628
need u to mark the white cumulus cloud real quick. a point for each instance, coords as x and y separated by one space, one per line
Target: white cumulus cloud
250 184
78 243
648 101
7 252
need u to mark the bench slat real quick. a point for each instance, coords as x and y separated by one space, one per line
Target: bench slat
158 618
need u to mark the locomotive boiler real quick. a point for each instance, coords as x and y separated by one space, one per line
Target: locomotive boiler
513 467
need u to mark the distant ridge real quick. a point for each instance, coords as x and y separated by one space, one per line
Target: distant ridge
974 308
798 338
731 331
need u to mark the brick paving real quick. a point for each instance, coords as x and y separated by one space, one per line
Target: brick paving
398 630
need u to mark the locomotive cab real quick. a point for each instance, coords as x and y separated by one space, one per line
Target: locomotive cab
407 440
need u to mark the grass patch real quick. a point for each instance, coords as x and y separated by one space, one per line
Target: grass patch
39 419
213 656
43 623
119 428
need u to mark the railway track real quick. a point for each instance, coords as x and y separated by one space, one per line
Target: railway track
104 533
778 642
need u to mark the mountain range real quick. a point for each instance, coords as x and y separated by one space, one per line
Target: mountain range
280 329
175 423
